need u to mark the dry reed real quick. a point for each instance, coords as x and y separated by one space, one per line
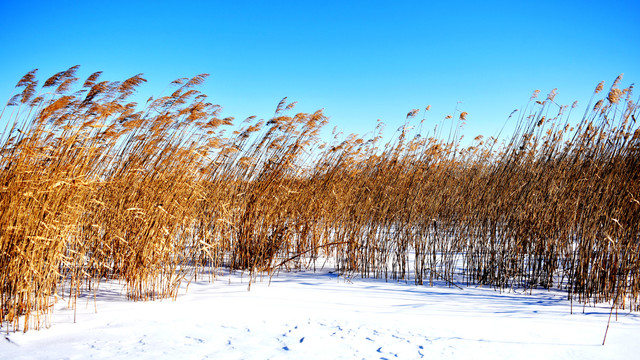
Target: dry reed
95 187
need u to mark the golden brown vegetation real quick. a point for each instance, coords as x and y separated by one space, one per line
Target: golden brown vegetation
94 187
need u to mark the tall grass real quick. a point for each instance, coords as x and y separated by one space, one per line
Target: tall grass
94 186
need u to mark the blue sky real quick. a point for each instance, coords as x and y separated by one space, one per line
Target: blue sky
359 60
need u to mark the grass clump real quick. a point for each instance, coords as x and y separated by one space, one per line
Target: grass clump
95 187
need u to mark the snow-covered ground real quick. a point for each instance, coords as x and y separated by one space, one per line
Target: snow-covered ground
307 315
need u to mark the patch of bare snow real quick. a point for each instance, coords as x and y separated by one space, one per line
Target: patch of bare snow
318 315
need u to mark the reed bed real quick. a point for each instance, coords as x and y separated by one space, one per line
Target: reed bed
95 186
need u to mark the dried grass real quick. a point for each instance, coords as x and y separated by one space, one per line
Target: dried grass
93 187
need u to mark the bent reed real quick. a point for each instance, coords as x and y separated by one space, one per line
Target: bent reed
95 187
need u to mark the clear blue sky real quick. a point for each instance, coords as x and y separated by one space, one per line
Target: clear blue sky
359 60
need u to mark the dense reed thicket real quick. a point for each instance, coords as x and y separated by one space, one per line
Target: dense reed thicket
94 187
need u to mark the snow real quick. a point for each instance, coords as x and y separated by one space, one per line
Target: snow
319 315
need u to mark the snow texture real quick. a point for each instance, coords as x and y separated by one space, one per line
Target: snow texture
319 315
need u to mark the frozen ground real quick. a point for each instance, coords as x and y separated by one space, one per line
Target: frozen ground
307 315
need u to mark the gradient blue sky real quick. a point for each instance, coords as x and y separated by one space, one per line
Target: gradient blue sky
359 60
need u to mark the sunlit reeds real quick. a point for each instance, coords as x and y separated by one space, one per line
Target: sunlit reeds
95 186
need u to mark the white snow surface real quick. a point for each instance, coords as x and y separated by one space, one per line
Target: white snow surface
320 315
